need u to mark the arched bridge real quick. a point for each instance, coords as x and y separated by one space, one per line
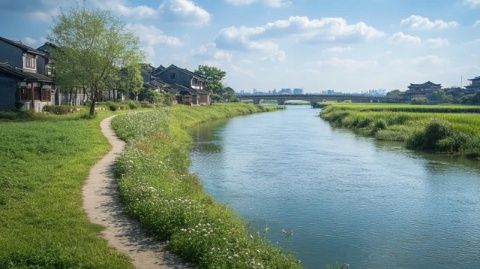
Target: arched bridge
314 98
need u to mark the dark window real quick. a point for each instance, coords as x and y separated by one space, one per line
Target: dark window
172 76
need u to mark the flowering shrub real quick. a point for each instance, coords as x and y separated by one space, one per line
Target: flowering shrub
170 203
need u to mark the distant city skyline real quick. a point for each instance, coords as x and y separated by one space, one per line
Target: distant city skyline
315 45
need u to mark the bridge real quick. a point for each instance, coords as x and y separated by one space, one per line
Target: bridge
315 98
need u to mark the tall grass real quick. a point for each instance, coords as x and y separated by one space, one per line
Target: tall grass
157 190
414 125
43 164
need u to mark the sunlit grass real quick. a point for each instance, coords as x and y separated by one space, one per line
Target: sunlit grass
44 161
401 122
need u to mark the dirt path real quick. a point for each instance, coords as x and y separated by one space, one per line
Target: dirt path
102 205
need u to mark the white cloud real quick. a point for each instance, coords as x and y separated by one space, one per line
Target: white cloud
420 61
476 24
303 29
270 3
184 11
401 38
34 42
423 23
337 49
121 8
437 42
150 37
210 52
472 3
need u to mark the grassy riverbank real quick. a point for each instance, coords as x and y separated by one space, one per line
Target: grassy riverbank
44 161
157 189
450 129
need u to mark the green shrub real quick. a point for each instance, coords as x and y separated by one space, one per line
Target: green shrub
363 123
380 124
438 136
145 104
59 110
419 101
472 149
112 106
133 104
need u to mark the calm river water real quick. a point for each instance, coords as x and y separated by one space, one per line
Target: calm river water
327 195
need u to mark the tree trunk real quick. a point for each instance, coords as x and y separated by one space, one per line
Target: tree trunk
92 107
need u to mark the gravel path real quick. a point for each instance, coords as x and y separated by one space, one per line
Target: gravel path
102 205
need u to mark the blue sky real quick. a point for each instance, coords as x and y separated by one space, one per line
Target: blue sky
313 44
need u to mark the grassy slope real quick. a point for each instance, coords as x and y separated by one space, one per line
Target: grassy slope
43 164
158 191
402 122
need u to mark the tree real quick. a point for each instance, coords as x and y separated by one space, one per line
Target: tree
214 77
395 94
229 95
131 80
92 45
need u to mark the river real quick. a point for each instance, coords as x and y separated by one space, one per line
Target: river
328 195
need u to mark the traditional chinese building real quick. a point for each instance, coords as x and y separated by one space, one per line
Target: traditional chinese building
422 90
475 86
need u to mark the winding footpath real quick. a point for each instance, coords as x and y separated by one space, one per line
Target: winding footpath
102 204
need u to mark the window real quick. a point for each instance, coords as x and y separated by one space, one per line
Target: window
46 95
30 61
172 76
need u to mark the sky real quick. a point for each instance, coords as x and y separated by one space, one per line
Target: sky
345 45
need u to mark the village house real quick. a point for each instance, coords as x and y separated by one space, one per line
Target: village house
475 86
25 77
188 86
421 90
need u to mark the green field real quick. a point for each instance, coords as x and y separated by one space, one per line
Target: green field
158 190
44 161
453 129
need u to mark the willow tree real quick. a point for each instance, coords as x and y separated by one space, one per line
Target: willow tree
92 45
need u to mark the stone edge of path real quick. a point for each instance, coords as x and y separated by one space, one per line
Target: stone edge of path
102 205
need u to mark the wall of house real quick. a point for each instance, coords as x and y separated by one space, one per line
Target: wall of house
11 54
8 92
203 99
41 62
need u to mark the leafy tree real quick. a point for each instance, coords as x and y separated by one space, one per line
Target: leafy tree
92 46
228 94
471 99
441 97
214 77
395 94
131 80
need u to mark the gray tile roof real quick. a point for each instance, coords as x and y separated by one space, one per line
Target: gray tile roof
28 76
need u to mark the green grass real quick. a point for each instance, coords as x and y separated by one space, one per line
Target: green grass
170 203
44 162
401 122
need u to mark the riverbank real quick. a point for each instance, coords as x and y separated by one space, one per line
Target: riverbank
158 190
44 161
451 129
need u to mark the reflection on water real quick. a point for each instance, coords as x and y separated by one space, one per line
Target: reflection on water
328 195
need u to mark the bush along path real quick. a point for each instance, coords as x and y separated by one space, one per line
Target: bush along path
102 205
157 190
